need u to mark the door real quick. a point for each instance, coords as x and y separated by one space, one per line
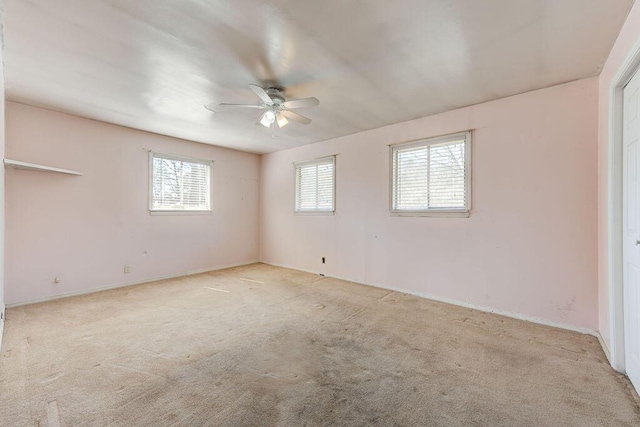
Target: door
631 226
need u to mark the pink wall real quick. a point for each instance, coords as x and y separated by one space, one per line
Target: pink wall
2 149
84 229
530 244
629 35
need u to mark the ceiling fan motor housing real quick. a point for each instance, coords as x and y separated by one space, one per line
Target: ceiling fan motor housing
278 108
276 94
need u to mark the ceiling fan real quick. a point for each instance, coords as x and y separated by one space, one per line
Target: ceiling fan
278 109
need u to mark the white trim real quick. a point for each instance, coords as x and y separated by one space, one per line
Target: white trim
614 206
122 285
314 161
184 212
485 309
437 139
614 234
604 346
435 213
4 315
314 213
181 158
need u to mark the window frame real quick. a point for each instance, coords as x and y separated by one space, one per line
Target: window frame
312 212
433 212
152 211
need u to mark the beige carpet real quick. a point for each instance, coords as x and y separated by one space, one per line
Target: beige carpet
286 348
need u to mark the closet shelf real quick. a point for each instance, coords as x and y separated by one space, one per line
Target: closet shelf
16 164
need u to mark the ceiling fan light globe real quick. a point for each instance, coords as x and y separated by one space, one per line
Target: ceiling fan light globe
270 115
282 121
268 118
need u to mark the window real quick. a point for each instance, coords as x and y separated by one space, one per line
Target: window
179 184
315 186
431 177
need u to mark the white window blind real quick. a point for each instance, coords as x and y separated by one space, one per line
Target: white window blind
315 185
431 175
179 184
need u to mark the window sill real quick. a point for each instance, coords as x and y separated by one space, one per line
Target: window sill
160 213
314 213
436 214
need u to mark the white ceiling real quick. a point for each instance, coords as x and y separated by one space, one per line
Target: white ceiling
153 64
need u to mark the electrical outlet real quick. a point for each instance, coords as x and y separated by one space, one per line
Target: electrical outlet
127 268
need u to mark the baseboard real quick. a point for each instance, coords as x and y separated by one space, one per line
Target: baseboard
605 347
458 303
3 314
123 285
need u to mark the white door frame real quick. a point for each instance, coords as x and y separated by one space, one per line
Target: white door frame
614 206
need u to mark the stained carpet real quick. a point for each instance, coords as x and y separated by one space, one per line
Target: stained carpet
266 346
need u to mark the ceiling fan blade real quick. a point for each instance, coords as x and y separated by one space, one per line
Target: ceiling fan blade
297 117
300 103
281 120
262 94
224 104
